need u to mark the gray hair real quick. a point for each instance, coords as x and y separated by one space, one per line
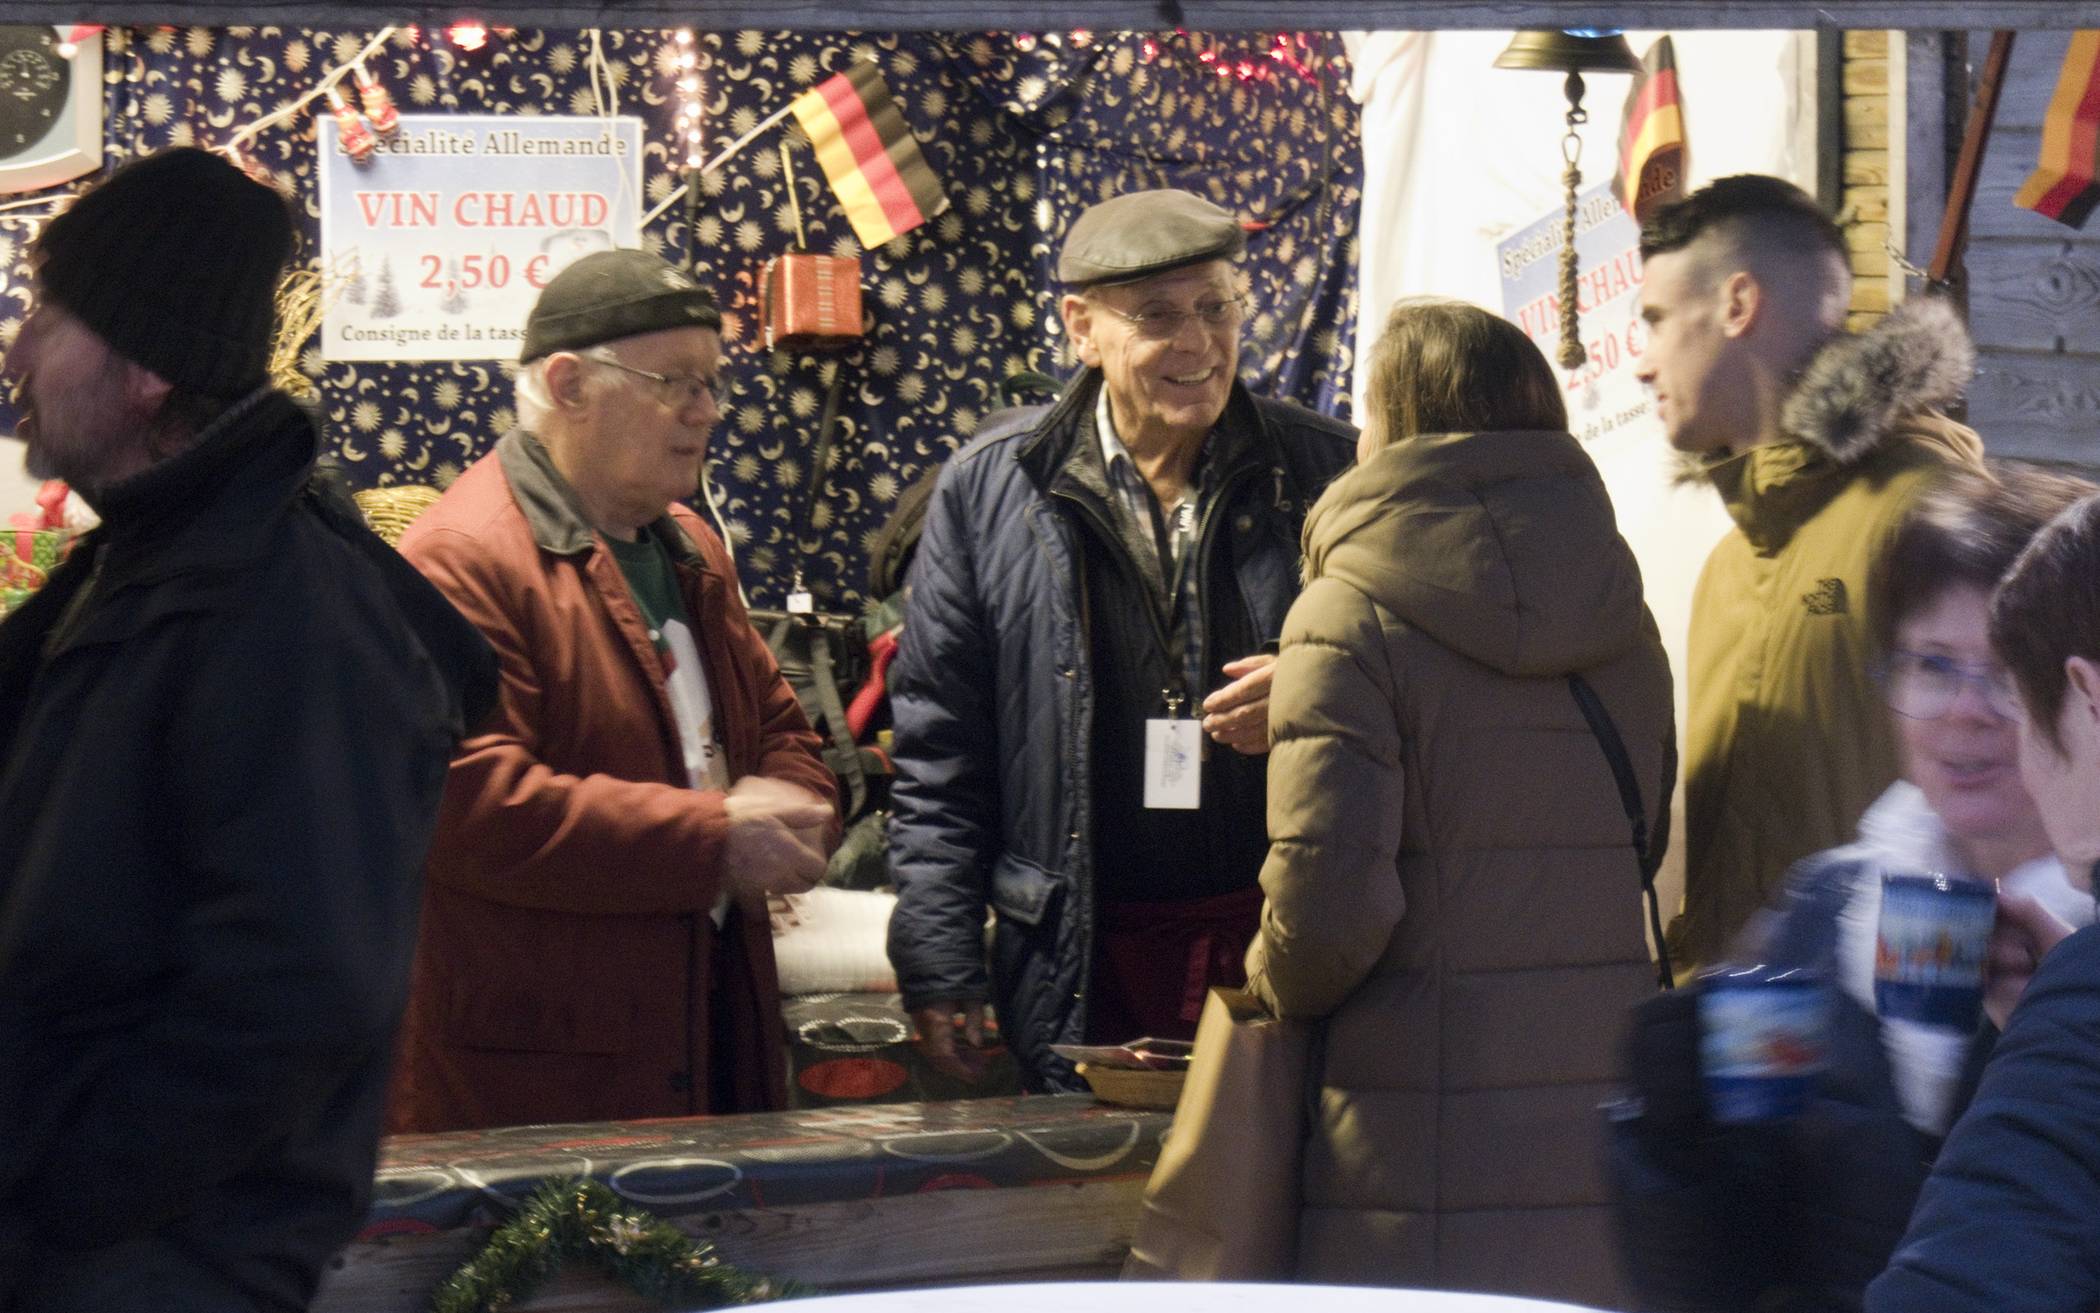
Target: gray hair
534 401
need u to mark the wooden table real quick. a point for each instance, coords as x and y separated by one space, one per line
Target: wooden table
847 1198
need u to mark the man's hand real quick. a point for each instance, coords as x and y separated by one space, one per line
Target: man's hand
936 1026
2023 936
774 845
1237 715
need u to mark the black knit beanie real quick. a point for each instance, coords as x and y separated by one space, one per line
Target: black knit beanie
173 260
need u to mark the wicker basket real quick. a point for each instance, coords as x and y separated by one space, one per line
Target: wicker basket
1134 1089
391 510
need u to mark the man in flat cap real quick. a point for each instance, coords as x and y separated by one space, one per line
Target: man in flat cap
595 942
224 725
1081 692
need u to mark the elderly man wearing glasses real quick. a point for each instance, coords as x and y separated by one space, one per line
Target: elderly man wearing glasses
594 938
1081 694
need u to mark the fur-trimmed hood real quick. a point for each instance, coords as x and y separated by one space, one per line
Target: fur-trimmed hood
1858 385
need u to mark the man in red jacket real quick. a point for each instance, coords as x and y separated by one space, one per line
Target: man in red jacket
594 939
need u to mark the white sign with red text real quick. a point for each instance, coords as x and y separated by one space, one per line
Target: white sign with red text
446 235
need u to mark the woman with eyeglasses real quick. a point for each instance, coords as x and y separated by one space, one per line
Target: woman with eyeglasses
2009 1221
1805 1214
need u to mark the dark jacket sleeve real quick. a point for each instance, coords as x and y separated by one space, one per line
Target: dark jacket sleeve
1794 1214
944 826
2007 1222
304 763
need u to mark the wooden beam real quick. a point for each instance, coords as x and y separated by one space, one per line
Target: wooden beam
1102 15
1976 136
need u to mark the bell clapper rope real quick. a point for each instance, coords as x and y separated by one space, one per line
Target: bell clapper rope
1572 356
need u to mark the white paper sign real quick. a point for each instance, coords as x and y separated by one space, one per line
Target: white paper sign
450 230
1174 764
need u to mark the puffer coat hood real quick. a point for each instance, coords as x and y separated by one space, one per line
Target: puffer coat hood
1451 883
1501 546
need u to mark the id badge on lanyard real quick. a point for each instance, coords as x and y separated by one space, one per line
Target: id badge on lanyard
1173 759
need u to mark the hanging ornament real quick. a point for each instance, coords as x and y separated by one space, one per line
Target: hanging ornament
355 135
249 165
379 106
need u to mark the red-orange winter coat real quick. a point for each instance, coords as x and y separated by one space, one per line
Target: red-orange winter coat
567 968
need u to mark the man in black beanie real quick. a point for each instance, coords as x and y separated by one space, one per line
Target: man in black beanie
224 726
595 942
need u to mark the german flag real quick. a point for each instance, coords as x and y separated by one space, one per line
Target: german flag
1652 150
869 155
2062 185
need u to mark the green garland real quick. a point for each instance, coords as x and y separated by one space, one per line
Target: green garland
582 1218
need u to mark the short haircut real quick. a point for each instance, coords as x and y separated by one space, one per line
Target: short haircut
1448 367
1965 530
1755 212
2048 610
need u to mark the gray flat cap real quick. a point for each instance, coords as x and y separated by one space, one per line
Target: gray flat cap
1143 233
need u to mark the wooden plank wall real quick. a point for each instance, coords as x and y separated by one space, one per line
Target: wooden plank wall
2034 285
1864 209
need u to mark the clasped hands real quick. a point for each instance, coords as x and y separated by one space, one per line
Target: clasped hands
775 843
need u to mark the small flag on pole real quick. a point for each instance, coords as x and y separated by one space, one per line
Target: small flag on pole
869 156
1652 149
2062 186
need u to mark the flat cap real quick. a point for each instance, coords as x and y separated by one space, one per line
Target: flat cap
1142 233
608 295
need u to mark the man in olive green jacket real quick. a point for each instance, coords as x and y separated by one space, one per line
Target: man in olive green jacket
1817 440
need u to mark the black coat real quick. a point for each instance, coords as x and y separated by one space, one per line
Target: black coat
224 727
2009 1221
993 695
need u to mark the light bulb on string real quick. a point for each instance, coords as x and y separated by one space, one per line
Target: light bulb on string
76 34
469 36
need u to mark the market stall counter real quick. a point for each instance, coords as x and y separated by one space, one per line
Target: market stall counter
844 1199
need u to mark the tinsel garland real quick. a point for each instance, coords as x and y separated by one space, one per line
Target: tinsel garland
566 1220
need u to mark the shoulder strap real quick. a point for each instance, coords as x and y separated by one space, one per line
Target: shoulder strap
1647 848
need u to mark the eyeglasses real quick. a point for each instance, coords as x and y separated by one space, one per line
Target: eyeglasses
1923 686
1164 325
681 390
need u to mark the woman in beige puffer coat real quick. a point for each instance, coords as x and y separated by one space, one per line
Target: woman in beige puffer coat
1451 882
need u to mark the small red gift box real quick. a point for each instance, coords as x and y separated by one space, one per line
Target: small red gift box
807 300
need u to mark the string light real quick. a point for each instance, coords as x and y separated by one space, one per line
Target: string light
1282 52
324 85
469 37
76 34
690 113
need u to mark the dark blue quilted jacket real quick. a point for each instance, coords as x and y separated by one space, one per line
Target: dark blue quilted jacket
992 699
2009 1221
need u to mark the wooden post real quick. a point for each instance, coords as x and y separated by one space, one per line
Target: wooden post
1954 224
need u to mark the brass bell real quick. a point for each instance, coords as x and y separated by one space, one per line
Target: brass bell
1569 51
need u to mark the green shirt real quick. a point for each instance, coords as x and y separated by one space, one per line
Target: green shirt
652 580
